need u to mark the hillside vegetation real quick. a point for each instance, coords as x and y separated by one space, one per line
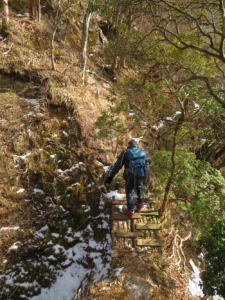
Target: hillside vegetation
74 87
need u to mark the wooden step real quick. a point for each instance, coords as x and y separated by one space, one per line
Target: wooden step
129 234
150 243
124 202
149 226
123 216
148 212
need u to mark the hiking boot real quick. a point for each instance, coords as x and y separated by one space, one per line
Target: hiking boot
140 206
130 214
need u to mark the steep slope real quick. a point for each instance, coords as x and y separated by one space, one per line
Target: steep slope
54 222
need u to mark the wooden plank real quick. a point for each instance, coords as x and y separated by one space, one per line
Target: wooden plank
148 212
121 216
149 226
124 202
151 242
129 234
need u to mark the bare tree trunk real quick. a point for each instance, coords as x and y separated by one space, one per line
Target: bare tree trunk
31 8
86 22
52 47
129 20
39 10
32 4
113 66
170 180
57 20
146 76
5 16
121 63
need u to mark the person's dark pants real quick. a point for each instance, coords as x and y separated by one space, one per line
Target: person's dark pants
129 187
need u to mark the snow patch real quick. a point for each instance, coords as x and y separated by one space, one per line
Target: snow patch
14 246
116 194
118 271
106 168
9 228
23 156
193 285
39 191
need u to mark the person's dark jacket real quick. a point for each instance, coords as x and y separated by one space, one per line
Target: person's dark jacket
123 160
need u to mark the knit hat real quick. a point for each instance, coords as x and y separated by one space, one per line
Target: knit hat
132 142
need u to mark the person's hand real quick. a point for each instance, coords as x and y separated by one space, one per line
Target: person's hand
109 179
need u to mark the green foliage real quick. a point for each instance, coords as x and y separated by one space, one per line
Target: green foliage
106 123
200 187
6 28
93 6
212 245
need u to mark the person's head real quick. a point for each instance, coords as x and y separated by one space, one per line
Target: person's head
132 142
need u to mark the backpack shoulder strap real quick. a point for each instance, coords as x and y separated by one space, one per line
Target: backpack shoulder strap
125 151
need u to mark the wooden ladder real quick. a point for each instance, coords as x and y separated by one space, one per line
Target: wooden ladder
140 231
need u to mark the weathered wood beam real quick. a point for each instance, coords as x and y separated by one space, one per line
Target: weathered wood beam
148 212
129 234
124 202
149 226
150 242
121 216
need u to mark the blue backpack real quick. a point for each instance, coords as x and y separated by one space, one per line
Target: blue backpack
137 165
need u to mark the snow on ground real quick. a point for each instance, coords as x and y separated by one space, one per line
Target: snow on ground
106 168
39 191
70 279
76 166
118 271
9 228
116 194
14 246
23 156
90 255
194 287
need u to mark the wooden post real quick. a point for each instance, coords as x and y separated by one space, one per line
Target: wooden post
134 222
125 227
114 228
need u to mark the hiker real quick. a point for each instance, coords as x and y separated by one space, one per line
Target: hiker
136 162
